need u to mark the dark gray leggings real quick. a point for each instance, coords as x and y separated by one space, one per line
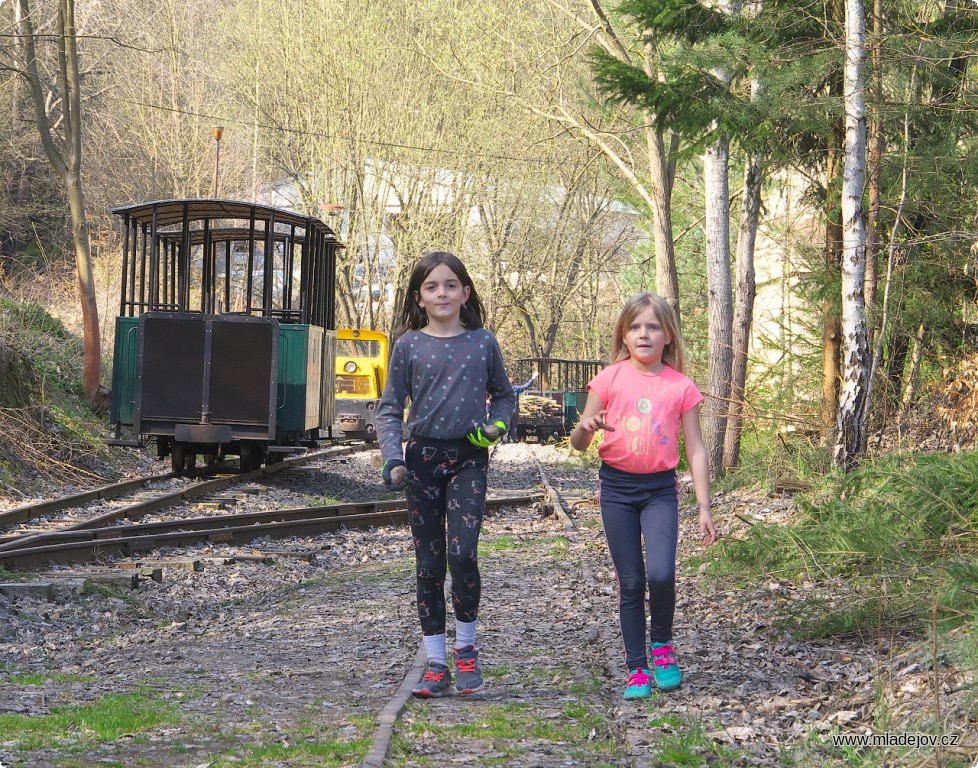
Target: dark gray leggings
636 508
446 499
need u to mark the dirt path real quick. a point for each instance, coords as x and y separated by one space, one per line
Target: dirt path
290 660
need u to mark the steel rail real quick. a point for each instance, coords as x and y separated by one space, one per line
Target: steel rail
162 501
85 545
111 491
209 522
32 558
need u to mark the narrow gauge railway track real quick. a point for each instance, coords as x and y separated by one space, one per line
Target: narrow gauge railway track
140 508
30 512
549 503
76 545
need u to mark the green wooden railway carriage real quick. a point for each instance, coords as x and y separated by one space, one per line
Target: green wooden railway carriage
225 337
562 382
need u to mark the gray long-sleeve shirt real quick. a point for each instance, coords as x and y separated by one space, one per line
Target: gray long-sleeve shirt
448 380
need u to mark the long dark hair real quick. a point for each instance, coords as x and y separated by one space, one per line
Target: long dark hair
412 317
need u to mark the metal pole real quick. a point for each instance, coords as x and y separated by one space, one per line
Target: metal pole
218 131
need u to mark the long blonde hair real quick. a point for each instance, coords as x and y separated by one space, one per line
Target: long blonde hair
672 355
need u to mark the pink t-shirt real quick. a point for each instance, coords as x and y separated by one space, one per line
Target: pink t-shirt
645 410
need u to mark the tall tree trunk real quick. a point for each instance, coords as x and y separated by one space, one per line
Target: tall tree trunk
660 152
853 402
660 182
743 305
716 169
67 163
831 332
875 169
911 378
720 352
831 329
896 364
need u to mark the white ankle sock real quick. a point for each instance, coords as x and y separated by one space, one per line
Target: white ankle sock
434 646
465 633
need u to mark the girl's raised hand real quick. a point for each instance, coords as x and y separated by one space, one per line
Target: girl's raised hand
594 423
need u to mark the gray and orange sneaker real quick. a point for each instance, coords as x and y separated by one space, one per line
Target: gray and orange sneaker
437 681
468 673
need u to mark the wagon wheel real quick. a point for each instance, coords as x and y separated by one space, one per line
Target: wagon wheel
182 460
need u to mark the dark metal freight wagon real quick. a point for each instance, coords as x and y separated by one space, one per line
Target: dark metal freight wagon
225 339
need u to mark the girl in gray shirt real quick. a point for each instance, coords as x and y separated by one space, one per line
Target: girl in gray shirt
451 370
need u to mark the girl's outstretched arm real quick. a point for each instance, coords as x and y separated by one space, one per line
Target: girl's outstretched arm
592 419
699 466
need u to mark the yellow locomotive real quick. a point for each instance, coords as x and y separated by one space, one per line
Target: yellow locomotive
361 372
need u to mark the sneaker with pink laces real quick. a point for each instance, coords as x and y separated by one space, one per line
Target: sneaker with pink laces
664 666
639 684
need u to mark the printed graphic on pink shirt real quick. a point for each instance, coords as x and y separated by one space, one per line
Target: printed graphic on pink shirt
645 409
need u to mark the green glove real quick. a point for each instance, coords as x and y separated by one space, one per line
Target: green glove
484 435
392 484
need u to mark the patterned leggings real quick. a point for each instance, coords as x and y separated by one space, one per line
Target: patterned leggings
446 499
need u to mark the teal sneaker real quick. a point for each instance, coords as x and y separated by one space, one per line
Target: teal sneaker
639 684
664 666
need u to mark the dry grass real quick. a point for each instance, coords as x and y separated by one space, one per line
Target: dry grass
36 448
50 436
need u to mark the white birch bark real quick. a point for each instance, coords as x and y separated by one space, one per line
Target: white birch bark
853 400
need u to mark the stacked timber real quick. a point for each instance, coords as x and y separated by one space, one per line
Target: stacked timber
534 408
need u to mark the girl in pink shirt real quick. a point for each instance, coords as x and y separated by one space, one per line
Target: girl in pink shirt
641 401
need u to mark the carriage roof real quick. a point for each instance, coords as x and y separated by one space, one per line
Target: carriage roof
173 213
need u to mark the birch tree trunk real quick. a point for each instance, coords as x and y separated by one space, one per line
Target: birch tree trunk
876 141
66 161
853 402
